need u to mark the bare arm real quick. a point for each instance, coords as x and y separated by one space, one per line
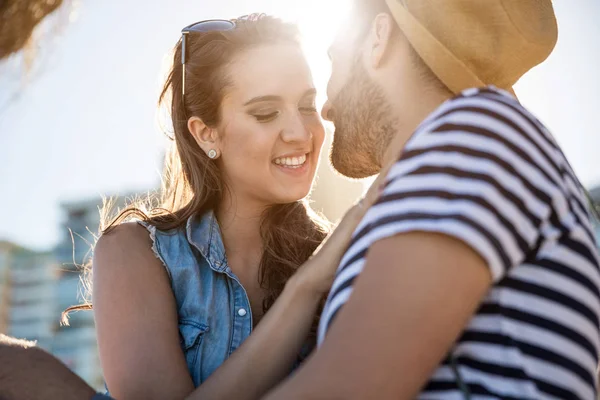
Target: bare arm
389 337
136 319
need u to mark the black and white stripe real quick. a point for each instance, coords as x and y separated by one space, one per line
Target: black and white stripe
482 169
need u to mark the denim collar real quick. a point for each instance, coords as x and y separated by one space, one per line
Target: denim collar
204 234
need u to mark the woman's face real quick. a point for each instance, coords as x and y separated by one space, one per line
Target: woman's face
270 135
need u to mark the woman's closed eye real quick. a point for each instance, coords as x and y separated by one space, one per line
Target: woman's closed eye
308 110
269 115
266 117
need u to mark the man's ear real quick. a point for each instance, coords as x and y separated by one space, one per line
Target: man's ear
205 136
380 39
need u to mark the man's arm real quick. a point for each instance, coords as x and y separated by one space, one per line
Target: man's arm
416 294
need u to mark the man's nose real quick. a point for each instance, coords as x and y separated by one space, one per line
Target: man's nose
325 111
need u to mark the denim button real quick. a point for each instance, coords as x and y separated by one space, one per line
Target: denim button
242 312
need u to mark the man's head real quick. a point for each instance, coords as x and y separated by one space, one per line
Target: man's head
374 73
395 61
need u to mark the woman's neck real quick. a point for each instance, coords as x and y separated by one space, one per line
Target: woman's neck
239 222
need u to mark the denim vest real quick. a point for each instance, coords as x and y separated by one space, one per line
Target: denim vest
212 305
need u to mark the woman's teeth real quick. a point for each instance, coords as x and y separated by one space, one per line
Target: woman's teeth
291 162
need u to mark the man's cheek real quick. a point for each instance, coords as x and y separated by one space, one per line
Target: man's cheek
334 85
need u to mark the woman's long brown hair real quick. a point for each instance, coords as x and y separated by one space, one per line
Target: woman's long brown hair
193 184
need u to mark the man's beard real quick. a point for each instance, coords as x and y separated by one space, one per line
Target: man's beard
364 126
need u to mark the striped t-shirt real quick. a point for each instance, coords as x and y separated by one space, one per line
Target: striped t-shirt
482 169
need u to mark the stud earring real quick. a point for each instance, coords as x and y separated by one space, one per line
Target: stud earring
212 154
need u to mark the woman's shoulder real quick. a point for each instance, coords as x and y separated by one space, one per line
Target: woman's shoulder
127 245
126 235
136 233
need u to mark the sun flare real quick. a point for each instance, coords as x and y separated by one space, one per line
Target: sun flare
318 22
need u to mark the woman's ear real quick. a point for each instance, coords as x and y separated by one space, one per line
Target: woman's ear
205 136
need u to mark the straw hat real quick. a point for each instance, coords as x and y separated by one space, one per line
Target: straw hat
474 43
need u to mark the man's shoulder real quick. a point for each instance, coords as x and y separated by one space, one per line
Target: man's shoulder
493 102
488 109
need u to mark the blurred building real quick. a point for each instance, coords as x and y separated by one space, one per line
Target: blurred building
27 293
75 344
5 289
33 313
36 287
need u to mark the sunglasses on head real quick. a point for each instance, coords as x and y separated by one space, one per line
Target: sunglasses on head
209 25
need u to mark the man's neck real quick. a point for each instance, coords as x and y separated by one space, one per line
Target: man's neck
411 107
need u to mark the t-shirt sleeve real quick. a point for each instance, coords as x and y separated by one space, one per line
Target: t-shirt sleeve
474 175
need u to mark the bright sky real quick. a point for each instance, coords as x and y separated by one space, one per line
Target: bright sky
86 123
